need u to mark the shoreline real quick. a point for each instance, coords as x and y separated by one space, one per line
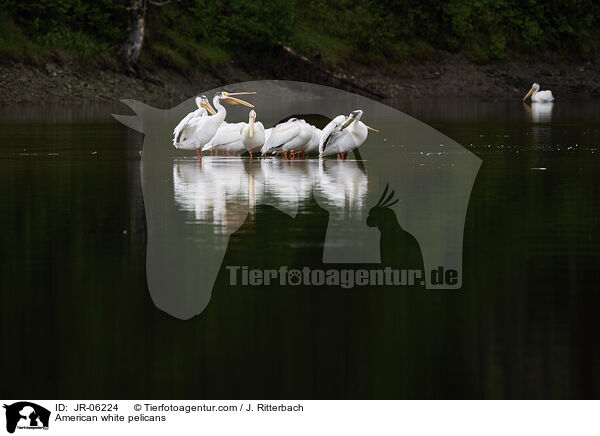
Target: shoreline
24 84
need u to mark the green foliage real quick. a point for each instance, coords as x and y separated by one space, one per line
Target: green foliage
75 42
259 22
191 33
13 44
98 17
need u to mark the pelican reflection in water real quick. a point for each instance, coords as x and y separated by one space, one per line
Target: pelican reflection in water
540 112
344 185
214 191
223 191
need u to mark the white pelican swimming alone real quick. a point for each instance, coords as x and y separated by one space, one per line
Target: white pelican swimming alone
291 136
203 129
184 128
539 96
344 134
253 134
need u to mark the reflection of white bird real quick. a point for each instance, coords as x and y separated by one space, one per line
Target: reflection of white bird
293 135
343 134
253 134
228 138
183 129
539 96
287 181
540 112
205 128
343 186
222 192
215 192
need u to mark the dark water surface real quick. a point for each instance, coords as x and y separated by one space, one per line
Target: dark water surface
78 321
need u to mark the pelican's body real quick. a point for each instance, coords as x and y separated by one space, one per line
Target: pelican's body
538 96
313 145
202 131
185 127
205 128
343 134
228 138
253 134
293 135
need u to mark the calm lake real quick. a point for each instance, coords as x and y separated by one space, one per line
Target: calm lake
78 321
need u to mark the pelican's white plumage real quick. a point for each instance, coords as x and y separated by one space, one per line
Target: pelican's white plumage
228 138
293 135
313 145
183 130
204 129
253 134
343 134
331 130
538 96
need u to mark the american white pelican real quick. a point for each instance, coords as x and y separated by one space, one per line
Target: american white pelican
203 129
344 134
227 139
253 134
313 145
539 96
291 136
183 129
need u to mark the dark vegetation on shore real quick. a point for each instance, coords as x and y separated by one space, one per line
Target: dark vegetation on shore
72 50
202 34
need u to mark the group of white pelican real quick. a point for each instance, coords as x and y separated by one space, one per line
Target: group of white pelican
206 130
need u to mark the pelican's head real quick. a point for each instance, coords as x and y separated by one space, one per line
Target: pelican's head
202 102
251 120
355 116
228 97
534 88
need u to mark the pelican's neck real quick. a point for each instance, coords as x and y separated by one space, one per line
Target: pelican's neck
221 111
355 125
251 127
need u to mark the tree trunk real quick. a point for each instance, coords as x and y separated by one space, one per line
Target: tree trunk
131 49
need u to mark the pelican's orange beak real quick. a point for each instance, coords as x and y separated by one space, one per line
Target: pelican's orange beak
349 121
208 107
529 93
232 100
241 93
